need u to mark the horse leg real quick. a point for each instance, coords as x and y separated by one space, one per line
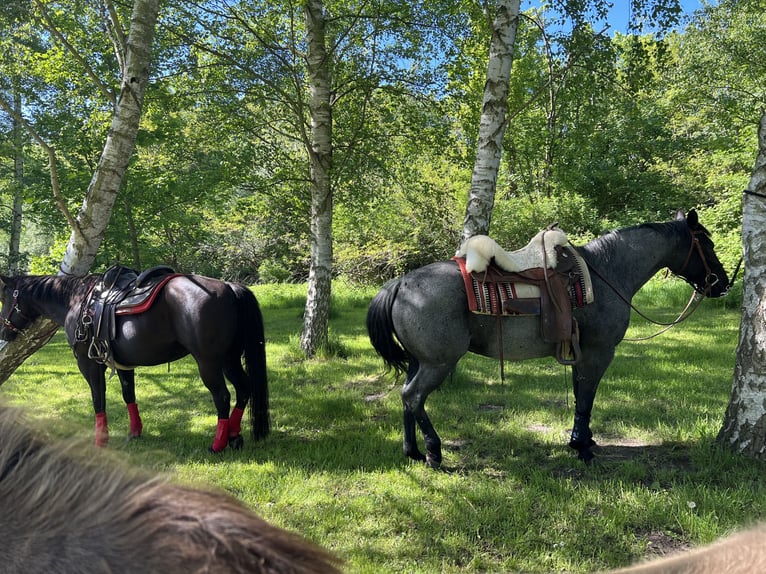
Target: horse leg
236 374
586 375
416 389
128 384
212 375
94 374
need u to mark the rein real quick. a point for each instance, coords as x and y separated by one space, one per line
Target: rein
694 301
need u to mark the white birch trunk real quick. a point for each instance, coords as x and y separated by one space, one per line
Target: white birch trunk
14 240
494 111
317 311
99 200
744 426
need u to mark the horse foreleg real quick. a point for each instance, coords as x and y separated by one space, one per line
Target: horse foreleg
586 375
101 431
128 384
94 374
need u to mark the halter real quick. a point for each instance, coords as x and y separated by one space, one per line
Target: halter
7 323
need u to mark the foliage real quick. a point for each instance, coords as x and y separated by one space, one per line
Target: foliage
604 130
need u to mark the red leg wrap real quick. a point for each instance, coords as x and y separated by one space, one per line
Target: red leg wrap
102 430
136 426
221 435
235 422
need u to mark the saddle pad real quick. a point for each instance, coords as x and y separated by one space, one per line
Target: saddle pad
489 297
143 299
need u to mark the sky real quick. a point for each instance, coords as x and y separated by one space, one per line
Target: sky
619 14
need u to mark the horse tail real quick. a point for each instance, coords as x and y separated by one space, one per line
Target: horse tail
251 336
380 327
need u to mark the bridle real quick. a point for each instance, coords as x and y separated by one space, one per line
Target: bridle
8 323
711 279
697 296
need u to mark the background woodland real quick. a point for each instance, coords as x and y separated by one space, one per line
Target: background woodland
604 129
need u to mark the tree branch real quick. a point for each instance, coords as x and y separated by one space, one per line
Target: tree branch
52 165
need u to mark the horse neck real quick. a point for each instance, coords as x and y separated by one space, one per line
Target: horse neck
629 257
52 296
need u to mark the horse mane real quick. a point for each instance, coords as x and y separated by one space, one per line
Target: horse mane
601 247
68 508
57 288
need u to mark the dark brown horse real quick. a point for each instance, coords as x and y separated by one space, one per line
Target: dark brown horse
67 510
217 323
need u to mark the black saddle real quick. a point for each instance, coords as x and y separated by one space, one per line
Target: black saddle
120 288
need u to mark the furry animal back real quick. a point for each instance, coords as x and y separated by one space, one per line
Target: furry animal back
480 250
66 511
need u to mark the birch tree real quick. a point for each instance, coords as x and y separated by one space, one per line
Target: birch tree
494 110
133 53
316 315
744 425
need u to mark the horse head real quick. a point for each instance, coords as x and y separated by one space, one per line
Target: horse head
16 314
701 267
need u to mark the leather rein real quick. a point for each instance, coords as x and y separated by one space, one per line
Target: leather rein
697 295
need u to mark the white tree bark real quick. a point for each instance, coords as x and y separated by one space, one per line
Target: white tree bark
744 426
494 111
317 311
90 225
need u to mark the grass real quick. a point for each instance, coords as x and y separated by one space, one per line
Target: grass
514 497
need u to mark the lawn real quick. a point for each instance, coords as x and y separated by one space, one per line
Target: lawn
512 496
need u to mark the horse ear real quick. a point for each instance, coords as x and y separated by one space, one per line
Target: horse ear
692 218
680 215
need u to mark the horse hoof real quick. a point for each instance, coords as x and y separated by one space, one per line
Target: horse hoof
236 442
585 455
433 462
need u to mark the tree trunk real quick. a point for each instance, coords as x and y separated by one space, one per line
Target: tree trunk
744 426
99 200
317 312
494 110
14 241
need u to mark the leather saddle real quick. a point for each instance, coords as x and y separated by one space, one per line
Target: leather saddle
556 292
121 291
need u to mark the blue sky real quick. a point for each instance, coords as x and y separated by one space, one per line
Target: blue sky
618 15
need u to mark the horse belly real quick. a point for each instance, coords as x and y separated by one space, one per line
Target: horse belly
141 344
520 338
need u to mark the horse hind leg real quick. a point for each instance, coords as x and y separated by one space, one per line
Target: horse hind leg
421 380
236 374
212 375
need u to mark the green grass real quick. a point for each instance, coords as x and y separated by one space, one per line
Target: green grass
514 496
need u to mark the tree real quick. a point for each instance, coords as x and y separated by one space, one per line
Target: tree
744 425
317 312
134 55
493 121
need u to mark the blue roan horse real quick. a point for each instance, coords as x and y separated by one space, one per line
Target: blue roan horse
420 324
218 323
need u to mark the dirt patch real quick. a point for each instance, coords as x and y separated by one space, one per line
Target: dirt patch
663 544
